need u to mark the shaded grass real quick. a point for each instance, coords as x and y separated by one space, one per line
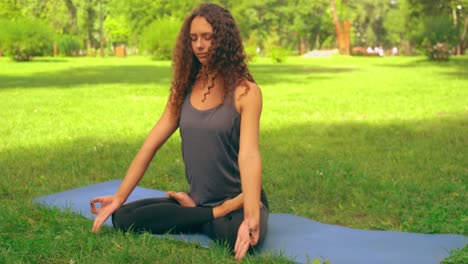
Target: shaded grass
362 142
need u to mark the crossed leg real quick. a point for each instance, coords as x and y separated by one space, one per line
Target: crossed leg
176 213
219 211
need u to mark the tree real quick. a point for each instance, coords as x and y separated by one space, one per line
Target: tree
394 24
341 28
10 9
421 10
460 20
72 14
160 36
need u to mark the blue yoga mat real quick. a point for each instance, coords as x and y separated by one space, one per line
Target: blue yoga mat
296 237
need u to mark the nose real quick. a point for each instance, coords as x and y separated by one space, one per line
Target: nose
199 44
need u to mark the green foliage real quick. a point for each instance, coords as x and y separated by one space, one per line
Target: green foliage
459 256
160 37
55 13
24 38
139 14
117 30
274 50
394 25
367 17
300 25
439 37
68 45
251 49
291 22
278 54
251 52
329 42
10 9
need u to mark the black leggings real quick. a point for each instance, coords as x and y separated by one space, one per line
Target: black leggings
166 215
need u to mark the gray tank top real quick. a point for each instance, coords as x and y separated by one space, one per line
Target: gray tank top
210 149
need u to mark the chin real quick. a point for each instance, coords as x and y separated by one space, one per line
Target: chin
203 61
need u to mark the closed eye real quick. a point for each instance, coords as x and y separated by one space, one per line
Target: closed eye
205 36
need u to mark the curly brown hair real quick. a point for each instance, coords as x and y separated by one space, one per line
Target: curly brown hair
227 58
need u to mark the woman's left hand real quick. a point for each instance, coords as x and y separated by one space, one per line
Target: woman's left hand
248 234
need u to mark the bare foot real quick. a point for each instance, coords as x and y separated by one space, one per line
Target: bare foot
182 198
229 206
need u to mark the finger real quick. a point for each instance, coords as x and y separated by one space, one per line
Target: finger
97 200
239 241
97 224
94 210
95 227
99 221
243 249
237 245
93 202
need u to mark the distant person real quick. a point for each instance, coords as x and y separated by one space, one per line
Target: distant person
380 51
216 104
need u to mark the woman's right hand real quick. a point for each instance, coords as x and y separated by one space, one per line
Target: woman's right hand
109 204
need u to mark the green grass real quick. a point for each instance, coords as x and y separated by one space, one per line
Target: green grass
373 143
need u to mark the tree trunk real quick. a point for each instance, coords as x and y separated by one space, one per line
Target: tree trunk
90 19
101 29
464 42
72 12
302 45
342 31
345 45
317 44
55 49
336 21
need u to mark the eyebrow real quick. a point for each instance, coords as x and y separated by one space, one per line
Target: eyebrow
203 33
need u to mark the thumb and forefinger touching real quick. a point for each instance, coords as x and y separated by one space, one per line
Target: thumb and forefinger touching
102 213
246 236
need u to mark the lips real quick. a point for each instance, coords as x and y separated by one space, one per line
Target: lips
202 55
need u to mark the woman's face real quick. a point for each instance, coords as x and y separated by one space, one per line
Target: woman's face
201 36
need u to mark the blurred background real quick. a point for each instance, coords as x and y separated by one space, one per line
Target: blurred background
270 28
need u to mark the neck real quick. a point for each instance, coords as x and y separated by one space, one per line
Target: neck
206 73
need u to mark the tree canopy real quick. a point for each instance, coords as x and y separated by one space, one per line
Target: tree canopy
293 25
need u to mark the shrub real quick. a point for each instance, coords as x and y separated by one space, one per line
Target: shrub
438 51
274 50
160 36
278 54
68 45
439 37
24 38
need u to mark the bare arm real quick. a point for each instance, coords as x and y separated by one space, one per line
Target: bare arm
250 166
250 163
163 129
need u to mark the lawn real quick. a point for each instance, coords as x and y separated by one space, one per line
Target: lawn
372 143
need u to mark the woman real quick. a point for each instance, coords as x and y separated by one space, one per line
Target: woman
216 104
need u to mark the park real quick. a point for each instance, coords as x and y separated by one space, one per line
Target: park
356 140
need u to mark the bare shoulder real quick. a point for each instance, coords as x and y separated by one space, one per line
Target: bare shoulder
248 95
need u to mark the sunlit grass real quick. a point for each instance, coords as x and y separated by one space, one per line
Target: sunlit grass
373 143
